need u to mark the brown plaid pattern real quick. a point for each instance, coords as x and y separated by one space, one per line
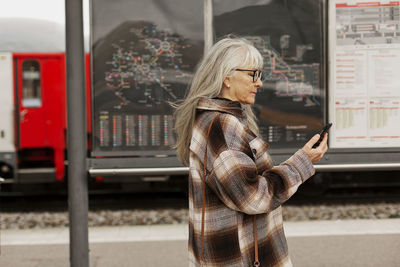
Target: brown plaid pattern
241 182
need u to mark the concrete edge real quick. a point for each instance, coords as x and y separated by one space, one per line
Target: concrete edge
178 232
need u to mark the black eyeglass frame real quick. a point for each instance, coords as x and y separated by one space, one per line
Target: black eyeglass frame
254 74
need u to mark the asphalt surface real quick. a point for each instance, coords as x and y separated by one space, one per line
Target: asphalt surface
311 243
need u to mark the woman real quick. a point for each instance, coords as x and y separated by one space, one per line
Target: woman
235 193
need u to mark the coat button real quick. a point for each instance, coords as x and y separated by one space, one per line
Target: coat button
254 151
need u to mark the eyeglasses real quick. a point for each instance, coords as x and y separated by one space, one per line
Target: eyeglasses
257 74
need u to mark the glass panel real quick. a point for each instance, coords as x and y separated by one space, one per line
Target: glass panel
144 54
290 106
31 90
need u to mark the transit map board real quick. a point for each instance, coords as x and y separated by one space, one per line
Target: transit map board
364 71
290 106
143 57
324 61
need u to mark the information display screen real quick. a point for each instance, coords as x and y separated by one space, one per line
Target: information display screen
290 106
364 75
143 57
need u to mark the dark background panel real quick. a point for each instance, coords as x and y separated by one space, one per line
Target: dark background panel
144 54
289 34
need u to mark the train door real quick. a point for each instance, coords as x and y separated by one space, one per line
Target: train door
32 111
41 105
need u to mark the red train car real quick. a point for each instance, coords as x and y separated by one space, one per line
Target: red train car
33 132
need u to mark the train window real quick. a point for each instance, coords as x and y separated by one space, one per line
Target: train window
31 89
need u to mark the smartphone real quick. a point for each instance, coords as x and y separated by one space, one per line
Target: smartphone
322 134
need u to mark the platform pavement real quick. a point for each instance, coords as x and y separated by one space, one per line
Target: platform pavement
311 243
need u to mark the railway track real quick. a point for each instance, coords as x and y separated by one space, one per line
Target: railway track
163 200
348 195
128 210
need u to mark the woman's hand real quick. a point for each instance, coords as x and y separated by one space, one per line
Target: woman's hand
315 154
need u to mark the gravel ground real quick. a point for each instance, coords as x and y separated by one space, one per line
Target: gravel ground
32 220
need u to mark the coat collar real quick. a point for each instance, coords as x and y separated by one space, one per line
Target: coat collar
221 105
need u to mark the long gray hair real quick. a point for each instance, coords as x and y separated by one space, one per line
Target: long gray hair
219 63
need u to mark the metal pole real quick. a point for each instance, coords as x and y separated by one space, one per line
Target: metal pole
77 169
208 28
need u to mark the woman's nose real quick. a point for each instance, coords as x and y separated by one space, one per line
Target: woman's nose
258 83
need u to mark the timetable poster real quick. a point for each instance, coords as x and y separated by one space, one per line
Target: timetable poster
364 71
144 54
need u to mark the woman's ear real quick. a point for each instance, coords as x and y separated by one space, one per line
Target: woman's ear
227 82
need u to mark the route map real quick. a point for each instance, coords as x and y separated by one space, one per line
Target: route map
367 23
298 81
290 106
140 69
151 71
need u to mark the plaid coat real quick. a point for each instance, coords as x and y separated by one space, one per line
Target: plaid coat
241 182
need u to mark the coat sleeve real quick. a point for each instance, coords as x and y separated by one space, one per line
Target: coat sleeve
234 177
